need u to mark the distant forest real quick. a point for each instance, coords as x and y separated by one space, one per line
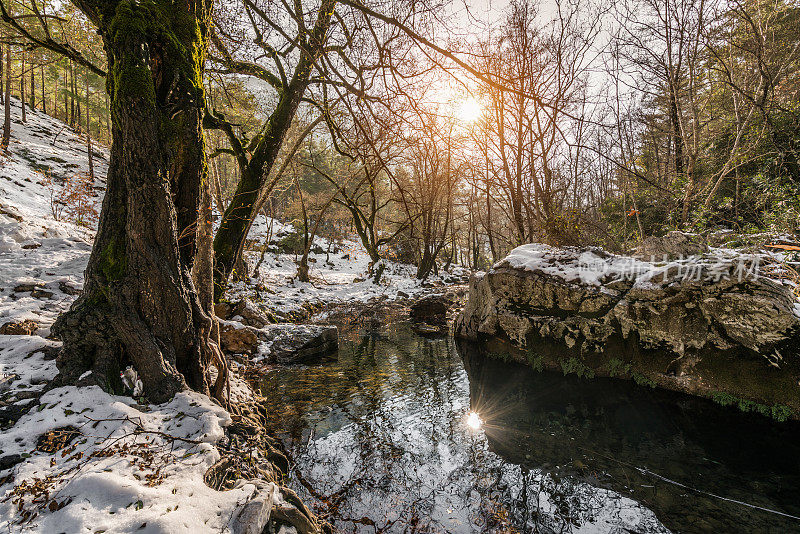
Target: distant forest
573 123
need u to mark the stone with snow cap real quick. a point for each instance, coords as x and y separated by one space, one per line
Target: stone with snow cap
586 299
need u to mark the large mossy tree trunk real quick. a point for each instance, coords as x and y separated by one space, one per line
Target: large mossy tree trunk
147 295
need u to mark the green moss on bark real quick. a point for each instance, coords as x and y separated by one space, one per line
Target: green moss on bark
113 262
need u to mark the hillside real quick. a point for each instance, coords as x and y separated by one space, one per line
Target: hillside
80 459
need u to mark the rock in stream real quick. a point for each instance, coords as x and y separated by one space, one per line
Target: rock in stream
708 324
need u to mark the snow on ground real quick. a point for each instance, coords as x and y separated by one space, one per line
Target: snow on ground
343 276
36 250
130 468
127 467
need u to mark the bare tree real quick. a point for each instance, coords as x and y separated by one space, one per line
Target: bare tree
527 149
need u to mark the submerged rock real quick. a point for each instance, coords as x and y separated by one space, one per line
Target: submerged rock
708 324
431 309
428 330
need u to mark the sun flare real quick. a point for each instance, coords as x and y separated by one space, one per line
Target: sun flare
469 110
474 421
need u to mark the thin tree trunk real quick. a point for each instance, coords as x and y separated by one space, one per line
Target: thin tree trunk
66 95
22 88
7 103
89 132
302 266
44 93
217 189
33 88
676 132
489 229
2 92
71 92
689 190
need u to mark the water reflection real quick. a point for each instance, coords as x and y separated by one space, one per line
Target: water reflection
400 435
667 451
474 420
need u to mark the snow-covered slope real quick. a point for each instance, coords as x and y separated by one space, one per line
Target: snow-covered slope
36 249
340 273
130 468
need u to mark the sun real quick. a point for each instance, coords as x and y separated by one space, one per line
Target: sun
474 421
470 110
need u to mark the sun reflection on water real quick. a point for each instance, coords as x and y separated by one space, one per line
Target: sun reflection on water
474 421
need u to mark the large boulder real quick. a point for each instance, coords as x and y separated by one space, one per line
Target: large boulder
708 324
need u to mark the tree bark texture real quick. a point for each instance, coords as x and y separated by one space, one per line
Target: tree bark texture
140 305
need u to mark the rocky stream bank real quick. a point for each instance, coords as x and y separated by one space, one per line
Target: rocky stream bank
709 324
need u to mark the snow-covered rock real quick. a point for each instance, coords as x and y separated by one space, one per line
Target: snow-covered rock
704 324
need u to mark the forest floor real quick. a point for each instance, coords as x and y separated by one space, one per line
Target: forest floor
80 459
340 274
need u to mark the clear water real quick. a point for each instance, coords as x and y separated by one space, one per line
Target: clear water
382 440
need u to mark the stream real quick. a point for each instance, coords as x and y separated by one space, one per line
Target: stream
402 433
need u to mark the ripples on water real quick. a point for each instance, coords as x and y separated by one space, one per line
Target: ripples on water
384 438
